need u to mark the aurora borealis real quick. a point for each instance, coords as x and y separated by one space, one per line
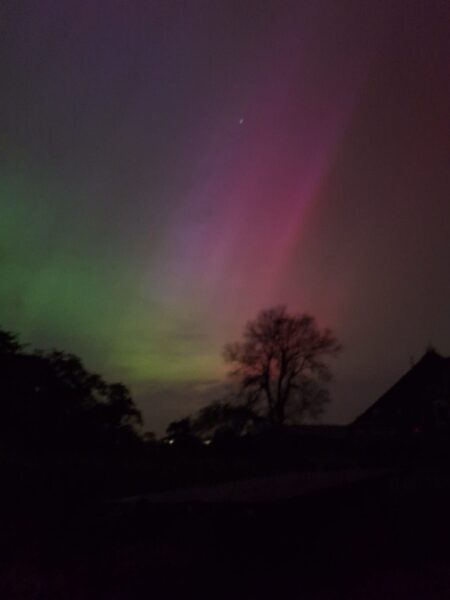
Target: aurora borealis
169 168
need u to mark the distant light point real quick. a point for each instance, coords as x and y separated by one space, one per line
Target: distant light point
241 121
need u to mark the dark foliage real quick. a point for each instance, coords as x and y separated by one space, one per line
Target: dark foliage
50 401
182 434
224 419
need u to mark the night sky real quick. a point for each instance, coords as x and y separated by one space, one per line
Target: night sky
169 168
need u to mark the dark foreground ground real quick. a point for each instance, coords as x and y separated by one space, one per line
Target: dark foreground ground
384 537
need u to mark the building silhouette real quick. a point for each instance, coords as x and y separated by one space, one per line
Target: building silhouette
417 405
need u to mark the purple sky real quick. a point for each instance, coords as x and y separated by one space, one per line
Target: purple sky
169 168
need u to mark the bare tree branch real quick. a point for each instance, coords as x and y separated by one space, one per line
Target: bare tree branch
282 360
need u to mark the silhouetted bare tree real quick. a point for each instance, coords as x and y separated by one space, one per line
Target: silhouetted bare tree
281 364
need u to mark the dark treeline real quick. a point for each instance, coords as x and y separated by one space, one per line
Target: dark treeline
280 376
64 428
51 402
76 471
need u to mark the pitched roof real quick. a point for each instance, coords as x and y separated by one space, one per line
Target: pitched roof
411 397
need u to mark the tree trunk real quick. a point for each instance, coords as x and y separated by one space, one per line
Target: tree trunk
280 414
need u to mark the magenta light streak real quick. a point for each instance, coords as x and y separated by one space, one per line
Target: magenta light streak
232 237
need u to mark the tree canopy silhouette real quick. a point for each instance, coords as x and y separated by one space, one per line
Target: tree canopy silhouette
50 400
224 418
281 366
